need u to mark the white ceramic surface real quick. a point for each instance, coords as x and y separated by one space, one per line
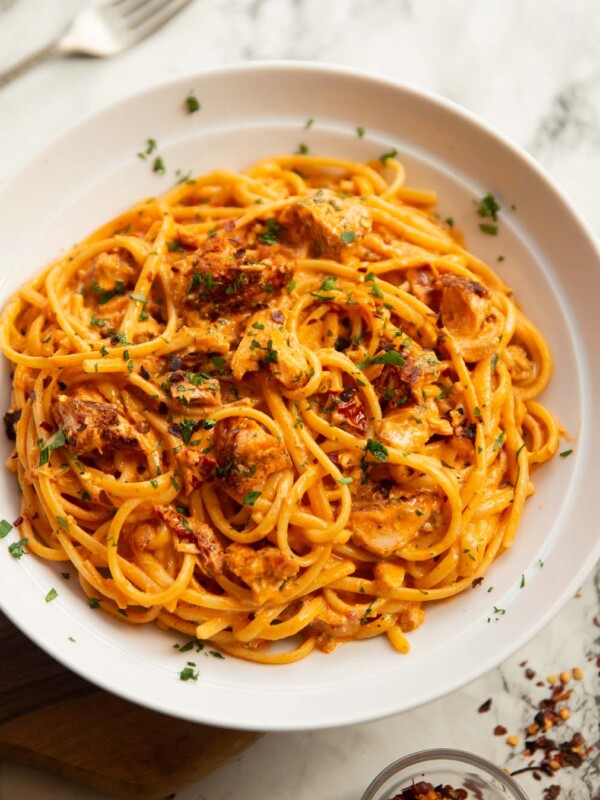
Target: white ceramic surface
91 172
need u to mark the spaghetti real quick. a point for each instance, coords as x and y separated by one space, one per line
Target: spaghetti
282 406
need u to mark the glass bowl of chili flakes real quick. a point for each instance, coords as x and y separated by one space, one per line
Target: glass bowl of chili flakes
443 774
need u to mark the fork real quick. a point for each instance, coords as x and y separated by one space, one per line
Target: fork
102 31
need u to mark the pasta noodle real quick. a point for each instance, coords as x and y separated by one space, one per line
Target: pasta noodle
276 410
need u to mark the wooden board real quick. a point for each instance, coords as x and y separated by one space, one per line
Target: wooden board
54 720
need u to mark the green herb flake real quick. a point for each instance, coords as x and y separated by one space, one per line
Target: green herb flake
360 131
52 595
489 207
175 247
63 523
389 357
344 481
188 674
192 103
93 602
498 443
365 617
565 453
309 123
348 237
216 654
16 548
5 528
159 166
302 149
491 230
385 156
522 584
377 449
251 497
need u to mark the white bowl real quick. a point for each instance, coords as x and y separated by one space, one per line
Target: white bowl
91 172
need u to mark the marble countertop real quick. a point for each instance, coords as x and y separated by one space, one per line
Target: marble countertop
530 68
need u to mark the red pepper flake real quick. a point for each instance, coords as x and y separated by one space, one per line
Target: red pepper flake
529 674
46 427
18 521
484 707
551 792
500 730
477 582
277 317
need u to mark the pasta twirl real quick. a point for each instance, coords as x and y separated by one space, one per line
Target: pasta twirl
281 406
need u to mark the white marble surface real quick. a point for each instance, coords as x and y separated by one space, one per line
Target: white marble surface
531 68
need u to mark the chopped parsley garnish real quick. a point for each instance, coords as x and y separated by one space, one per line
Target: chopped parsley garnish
360 131
329 283
174 483
309 123
154 483
270 236
93 602
192 103
522 585
365 617
97 323
302 149
270 356
52 595
207 424
377 449
63 523
292 285
141 298
58 440
385 156
65 575
188 673
498 443
489 207
104 295
5 528
188 426
344 481
215 654
150 148
159 166
565 453
348 237
494 362
16 548
491 230
251 497
392 357
175 247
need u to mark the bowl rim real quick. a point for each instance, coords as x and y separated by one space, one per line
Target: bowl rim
448 754
288 69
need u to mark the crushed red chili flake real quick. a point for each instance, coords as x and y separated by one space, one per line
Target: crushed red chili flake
427 791
18 521
500 730
551 792
477 582
552 754
485 706
529 674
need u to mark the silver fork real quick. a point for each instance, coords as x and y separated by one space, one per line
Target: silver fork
102 31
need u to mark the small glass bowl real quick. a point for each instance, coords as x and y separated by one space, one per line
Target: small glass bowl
482 779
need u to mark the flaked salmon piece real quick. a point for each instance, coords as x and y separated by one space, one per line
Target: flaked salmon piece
422 286
385 526
192 389
467 312
110 272
246 454
263 570
194 537
411 427
519 364
266 343
222 277
91 427
398 383
195 467
331 222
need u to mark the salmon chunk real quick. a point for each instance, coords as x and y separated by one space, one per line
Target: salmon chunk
468 314
222 277
263 570
266 342
246 454
194 537
192 389
411 427
92 427
385 526
331 222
